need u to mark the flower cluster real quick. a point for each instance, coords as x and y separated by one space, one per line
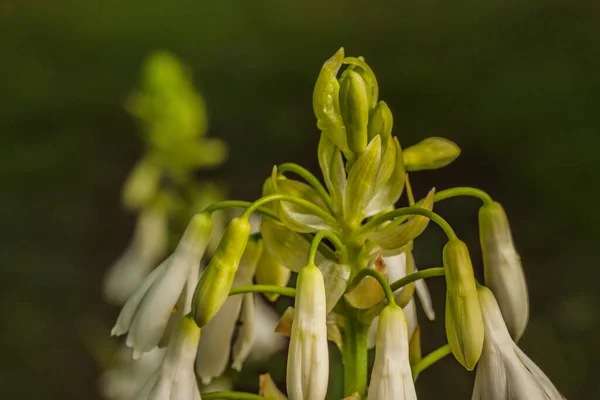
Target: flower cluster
356 275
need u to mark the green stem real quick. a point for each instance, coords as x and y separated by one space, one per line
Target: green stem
284 291
430 359
314 209
389 294
316 241
461 191
309 178
354 357
415 276
409 211
231 396
237 204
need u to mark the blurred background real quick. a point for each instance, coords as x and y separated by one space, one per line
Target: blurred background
514 83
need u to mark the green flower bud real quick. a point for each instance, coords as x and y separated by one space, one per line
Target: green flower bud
215 283
381 122
334 171
269 271
464 322
141 185
502 268
354 107
431 153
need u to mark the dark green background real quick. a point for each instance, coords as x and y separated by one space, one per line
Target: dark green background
514 83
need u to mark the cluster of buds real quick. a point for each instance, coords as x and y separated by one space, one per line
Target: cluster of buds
357 276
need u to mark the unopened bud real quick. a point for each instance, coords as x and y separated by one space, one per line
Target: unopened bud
502 268
381 122
354 107
141 185
269 271
464 323
431 153
215 283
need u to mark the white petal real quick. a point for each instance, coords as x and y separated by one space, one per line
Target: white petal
425 298
266 341
245 339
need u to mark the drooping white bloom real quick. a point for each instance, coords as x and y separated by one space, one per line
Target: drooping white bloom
504 372
175 379
147 247
308 357
391 378
148 313
502 268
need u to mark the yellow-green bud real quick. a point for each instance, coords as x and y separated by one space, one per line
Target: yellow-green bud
354 107
269 271
381 122
502 268
431 153
141 185
464 322
215 283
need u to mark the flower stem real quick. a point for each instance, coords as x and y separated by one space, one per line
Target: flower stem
309 178
316 241
354 357
415 276
231 396
430 359
310 207
283 291
461 191
409 211
389 294
237 204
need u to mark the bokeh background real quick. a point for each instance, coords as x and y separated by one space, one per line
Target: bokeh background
514 83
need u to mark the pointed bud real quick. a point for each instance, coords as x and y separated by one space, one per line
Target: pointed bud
354 106
381 122
503 271
308 356
391 377
464 323
215 283
431 153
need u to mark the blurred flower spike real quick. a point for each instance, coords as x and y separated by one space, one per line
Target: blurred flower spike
350 244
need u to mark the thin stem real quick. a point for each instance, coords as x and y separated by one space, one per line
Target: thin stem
237 204
284 291
309 178
314 209
389 294
312 253
430 359
460 191
415 276
409 211
231 396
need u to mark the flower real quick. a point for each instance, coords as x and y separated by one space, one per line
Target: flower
308 356
147 247
175 379
148 314
391 378
504 372
502 268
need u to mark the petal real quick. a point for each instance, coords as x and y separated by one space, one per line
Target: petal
336 280
245 339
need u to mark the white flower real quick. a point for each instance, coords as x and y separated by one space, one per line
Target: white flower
175 379
148 314
391 378
147 247
308 357
504 372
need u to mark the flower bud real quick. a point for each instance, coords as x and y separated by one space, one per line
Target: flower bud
141 185
308 356
503 271
215 283
431 153
354 107
391 377
269 271
464 323
381 122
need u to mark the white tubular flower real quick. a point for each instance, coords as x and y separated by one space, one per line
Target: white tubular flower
391 378
175 379
147 247
169 287
502 268
266 341
504 372
214 348
308 357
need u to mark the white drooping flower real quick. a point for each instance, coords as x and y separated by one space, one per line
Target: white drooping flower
504 372
308 356
148 314
502 268
147 247
175 378
391 378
